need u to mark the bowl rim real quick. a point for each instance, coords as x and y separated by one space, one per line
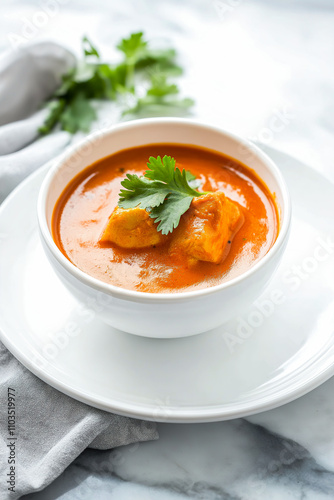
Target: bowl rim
157 297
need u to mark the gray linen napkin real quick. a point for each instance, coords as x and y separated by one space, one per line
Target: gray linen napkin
27 77
52 429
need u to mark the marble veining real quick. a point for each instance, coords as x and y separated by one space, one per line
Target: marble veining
227 460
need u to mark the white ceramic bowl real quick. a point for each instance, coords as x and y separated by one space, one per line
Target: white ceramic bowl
163 315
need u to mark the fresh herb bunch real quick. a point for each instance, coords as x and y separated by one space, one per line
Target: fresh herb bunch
142 70
164 191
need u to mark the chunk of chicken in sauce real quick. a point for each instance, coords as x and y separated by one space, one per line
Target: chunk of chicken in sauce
203 234
206 229
131 228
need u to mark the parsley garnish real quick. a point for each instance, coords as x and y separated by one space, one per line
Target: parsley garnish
164 191
140 84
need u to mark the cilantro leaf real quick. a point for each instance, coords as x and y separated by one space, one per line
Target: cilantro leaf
140 84
156 106
88 48
133 46
78 115
164 171
164 191
168 214
160 87
163 58
140 191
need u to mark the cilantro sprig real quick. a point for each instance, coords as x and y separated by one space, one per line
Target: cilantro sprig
164 191
140 84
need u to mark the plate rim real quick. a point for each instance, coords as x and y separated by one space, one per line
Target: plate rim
166 414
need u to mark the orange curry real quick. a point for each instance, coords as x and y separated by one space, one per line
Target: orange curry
221 235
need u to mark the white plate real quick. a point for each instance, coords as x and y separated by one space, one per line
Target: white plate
277 351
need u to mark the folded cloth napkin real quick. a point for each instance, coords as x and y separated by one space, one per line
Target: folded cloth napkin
53 429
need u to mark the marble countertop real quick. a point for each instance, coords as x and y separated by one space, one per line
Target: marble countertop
246 63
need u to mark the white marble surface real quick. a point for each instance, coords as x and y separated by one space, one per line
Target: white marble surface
247 63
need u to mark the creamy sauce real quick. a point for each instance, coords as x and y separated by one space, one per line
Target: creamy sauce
83 210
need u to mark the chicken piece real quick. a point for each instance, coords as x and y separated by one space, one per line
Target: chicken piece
206 228
131 228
